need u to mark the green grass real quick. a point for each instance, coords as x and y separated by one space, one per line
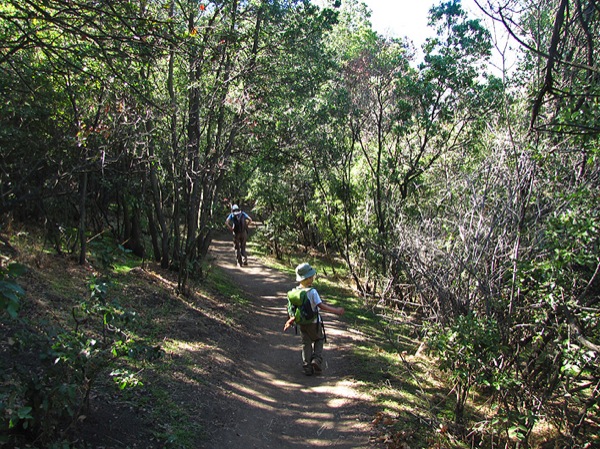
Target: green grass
218 281
331 268
177 428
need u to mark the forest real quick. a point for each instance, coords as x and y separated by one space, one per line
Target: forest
461 202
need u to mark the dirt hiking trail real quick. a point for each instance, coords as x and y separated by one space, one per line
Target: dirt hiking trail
266 401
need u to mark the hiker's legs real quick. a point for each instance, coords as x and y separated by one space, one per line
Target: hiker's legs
307 347
312 347
318 348
243 239
238 248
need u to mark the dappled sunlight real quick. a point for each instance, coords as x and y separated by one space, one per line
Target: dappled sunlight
163 280
258 401
344 389
264 397
181 345
286 384
333 330
314 420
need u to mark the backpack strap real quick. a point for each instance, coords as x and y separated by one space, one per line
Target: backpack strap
319 319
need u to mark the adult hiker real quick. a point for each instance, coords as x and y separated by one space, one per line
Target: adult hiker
237 222
307 317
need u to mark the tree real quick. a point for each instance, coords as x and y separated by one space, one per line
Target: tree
502 243
418 117
559 39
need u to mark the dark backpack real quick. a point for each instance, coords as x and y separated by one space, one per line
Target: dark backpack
239 222
299 306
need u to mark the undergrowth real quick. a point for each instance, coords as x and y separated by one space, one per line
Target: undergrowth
110 336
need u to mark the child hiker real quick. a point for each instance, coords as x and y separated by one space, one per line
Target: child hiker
312 333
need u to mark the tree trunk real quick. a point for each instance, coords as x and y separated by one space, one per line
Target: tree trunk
82 217
157 198
153 234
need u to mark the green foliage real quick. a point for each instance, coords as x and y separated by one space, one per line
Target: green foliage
43 400
469 350
427 175
563 89
109 254
10 292
125 379
283 205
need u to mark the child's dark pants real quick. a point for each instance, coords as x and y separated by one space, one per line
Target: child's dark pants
312 343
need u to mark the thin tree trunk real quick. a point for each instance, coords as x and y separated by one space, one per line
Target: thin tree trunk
171 166
157 199
82 217
153 234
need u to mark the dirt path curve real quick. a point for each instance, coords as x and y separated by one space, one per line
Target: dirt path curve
267 401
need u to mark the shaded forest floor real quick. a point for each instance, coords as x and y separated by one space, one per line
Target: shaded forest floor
236 377
218 371
225 375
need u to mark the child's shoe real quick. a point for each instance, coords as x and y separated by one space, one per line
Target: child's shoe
308 370
316 366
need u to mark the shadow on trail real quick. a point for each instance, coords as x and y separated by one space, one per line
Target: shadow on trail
265 401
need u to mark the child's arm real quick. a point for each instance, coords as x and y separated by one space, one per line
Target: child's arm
289 323
331 309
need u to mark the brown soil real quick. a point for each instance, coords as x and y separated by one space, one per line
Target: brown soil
266 401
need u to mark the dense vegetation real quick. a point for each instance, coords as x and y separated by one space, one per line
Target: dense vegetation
467 199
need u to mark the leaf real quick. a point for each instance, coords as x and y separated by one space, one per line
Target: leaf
16 269
10 288
24 412
518 432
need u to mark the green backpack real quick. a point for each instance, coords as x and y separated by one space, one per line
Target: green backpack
299 306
